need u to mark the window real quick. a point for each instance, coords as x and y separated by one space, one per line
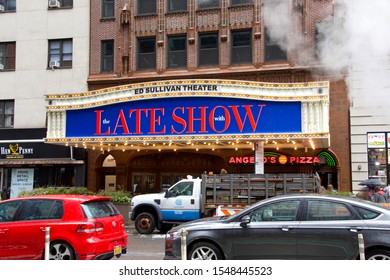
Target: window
366 214
273 50
146 7
8 5
177 5
66 3
146 54
6 113
107 52
177 51
61 3
7 56
241 47
184 188
108 8
8 210
328 211
61 51
276 212
208 49
240 2
42 210
208 4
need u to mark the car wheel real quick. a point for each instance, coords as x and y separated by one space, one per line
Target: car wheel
378 255
61 251
144 223
204 251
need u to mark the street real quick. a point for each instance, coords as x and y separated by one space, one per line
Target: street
143 246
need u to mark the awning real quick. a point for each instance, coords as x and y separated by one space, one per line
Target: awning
36 161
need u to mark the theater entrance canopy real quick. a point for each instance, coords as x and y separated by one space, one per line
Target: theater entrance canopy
192 114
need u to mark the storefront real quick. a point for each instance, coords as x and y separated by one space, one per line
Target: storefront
154 133
378 145
29 162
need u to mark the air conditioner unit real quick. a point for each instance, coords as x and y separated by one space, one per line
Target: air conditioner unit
1 66
1 8
54 4
53 64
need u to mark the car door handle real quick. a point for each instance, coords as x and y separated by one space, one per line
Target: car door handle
4 230
355 229
285 228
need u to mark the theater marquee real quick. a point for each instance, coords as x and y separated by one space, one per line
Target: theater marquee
190 110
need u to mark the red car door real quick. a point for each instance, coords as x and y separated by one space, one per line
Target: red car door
8 213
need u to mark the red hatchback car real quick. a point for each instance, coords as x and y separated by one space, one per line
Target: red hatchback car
81 227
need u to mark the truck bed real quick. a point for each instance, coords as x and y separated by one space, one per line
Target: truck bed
241 190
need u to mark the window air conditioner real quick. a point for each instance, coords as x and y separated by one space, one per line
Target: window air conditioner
1 66
54 4
1 8
53 64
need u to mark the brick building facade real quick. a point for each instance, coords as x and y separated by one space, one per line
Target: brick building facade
255 40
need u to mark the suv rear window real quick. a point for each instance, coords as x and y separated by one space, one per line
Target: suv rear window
99 209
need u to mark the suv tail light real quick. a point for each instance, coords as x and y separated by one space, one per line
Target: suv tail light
90 227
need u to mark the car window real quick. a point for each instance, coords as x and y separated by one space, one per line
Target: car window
327 211
8 210
99 209
366 214
278 211
42 210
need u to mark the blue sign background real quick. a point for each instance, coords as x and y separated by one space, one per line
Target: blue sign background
276 117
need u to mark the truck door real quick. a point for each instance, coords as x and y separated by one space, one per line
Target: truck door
181 202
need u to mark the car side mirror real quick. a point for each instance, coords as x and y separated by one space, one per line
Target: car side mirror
166 194
245 221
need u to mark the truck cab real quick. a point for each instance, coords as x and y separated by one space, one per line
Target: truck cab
179 203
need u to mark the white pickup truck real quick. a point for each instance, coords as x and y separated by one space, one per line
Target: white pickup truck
191 199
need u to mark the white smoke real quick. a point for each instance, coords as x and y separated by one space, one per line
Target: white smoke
357 40
353 41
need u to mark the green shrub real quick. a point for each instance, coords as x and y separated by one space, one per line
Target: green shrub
117 196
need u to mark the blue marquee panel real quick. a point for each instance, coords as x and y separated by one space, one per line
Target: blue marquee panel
185 116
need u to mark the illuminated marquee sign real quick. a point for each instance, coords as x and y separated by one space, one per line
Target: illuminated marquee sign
282 159
185 116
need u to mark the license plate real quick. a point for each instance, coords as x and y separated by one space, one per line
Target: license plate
117 250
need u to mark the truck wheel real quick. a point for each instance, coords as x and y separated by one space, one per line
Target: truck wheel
144 223
204 251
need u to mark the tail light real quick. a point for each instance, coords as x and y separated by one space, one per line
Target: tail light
90 227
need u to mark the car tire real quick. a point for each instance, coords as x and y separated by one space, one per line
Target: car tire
61 251
378 254
204 251
145 223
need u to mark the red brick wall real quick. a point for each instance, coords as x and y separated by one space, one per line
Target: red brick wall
297 69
